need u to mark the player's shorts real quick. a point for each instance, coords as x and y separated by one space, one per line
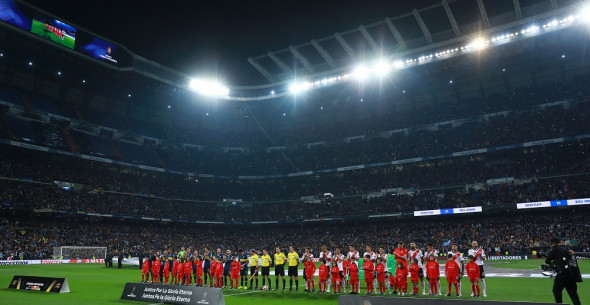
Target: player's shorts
420 273
265 270
280 270
226 272
482 273
342 275
293 271
304 275
253 271
244 271
206 270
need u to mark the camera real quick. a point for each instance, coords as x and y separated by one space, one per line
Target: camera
548 270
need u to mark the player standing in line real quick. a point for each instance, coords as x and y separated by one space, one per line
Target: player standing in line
235 268
373 259
458 258
335 274
431 251
415 275
479 256
433 274
384 258
473 273
194 257
416 253
306 253
339 258
265 268
253 268
380 272
346 266
166 271
368 267
227 260
452 274
354 275
327 255
145 270
243 259
207 267
279 260
156 270
199 273
309 270
293 273
219 273
352 253
323 275
188 268
401 276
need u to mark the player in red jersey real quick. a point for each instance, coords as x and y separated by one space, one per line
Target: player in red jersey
335 274
145 270
345 273
433 273
179 271
431 251
166 271
219 273
380 271
458 258
174 271
368 267
156 270
401 276
199 271
414 252
213 271
473 273
452 273
188 268
309 269
354 275
401 254
415 276
323 276
235 268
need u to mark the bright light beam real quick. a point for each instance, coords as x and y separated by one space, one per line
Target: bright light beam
479 44
361 72
208 87
382 68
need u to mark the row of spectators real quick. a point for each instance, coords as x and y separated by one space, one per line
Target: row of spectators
526 163
35 237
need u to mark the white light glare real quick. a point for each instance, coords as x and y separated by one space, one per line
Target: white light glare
382 68
208 87
299 87
361 72
478 44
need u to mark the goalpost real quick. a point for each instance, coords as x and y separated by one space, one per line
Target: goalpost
73 252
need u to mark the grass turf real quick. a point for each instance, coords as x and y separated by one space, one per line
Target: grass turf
94 284
533 264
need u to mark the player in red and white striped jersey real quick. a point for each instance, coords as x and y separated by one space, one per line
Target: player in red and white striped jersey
353 253
479 255
458 258
373 257
339 259
383 256
414 252
327 255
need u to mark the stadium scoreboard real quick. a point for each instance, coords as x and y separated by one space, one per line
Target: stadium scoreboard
32 20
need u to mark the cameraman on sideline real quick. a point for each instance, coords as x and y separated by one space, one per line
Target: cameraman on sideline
559 257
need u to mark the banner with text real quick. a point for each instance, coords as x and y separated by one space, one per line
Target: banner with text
448 211
172 294
553 203
36 283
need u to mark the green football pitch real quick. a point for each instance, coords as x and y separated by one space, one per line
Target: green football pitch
95 284
40 29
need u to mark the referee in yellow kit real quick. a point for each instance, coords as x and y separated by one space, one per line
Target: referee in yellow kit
279 267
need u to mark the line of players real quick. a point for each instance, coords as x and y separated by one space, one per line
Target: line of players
336 269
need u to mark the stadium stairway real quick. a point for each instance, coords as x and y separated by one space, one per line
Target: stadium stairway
69 140
7 130
160 160
115 149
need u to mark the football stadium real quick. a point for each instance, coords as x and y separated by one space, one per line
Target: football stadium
402 152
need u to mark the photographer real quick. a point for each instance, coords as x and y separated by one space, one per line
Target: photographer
566 276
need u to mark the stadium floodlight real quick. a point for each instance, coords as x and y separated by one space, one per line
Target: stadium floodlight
585 14
299 87
382 68
478 44
208 87
361 72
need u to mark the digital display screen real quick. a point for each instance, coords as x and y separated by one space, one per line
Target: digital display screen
101 50
54 30
11 13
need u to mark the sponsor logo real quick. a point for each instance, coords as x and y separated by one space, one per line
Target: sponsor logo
132 294
8 263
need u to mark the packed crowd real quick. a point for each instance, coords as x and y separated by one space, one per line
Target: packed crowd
35 236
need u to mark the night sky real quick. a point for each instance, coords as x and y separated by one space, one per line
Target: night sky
217 36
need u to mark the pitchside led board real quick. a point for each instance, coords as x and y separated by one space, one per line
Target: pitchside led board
36 283
31 20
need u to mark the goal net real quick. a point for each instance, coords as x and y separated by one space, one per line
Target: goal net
72 252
